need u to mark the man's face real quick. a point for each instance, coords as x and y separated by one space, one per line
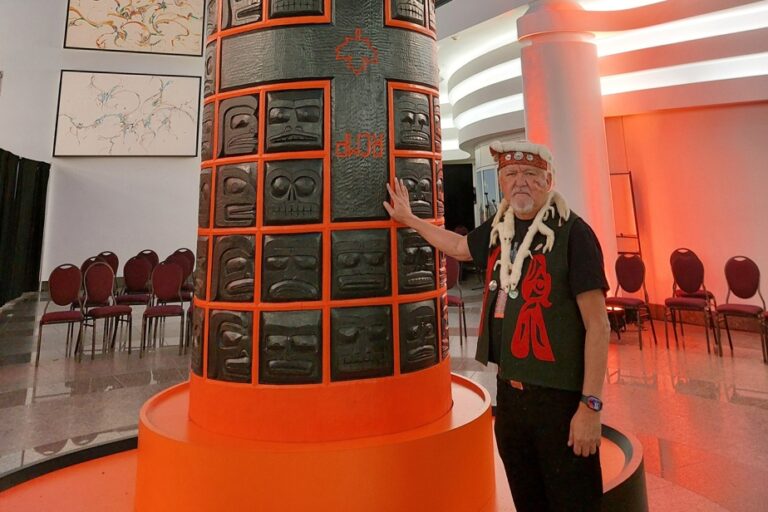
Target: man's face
525 187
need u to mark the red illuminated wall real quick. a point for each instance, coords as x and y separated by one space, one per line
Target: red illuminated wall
701 181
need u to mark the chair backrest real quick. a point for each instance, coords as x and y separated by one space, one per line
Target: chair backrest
687 270
99 283
87 263
137 272
452 271
184 264
743 277
188 254
110 259
64 284
630 272
166 281
151 256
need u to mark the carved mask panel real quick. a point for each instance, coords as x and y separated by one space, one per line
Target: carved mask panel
360 264
290 349
443 270
198 328
239 126
204 209
445 347
415 262
211 16
201 267
440 190
206 136
283 8
361 343
236 196
409 10
295 120
437 123
209 81
232 271
291 268
418 336
412 126
241 12
432 15
416 174
293 192
230 346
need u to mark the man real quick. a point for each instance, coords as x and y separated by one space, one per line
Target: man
544 324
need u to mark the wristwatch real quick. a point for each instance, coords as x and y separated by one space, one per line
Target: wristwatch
592 402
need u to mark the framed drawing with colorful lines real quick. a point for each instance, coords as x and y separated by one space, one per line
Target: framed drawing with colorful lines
145 26
121 114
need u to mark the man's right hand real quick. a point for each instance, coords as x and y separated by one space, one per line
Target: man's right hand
400 208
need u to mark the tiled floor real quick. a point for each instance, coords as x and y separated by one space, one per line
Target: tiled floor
702 420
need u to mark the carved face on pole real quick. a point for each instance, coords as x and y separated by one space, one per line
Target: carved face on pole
293 192
209 82
241 12
211 16
198 327
360 264
409 10
236 196
412 126
204 203
361 343
206 137
437 123
230 346
415 262
239 126
201 267
291 348
291 268
282 8
416 174
295 120
418 336
440 190
233 262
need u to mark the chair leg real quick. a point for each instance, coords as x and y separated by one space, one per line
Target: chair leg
728 331
39 342
650 321
143 336
640 329
464 319
130 332
93 340
79 343
682 328
674 326
666 332
706 333
181 334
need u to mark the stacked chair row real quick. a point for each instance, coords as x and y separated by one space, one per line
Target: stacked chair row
689 293
89 292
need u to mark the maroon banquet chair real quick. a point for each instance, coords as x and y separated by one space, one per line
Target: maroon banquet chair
689 294
110 259
187 285
64 288
743 278
630 273
166 289
452 278
187 266
151 256
136 274
100 289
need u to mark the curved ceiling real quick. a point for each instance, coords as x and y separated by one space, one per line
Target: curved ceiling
718 54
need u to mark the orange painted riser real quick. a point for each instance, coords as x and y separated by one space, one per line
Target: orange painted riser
446 465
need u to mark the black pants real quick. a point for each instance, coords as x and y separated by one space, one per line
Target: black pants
544 474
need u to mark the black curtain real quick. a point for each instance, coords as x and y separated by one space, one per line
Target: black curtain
459 196
23 191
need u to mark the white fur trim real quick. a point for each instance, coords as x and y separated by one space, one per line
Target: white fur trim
522 145
503 232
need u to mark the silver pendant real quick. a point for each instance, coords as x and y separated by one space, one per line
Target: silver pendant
513 294
493 285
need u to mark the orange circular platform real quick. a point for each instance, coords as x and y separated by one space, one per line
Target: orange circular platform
445 465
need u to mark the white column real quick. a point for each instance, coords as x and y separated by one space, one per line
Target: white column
563 110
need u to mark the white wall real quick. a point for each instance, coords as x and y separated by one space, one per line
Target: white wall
94 204
701 181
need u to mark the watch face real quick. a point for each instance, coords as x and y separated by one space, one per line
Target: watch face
594 403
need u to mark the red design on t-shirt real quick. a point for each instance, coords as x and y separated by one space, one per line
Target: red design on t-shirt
530 329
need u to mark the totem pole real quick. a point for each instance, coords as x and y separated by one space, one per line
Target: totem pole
319 337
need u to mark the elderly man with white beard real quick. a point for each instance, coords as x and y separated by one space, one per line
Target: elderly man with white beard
544 325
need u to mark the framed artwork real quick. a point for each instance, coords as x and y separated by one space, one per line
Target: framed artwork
120 114
146 26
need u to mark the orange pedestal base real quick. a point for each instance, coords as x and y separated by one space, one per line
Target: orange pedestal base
447 465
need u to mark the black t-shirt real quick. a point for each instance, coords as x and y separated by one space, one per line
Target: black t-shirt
586 270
